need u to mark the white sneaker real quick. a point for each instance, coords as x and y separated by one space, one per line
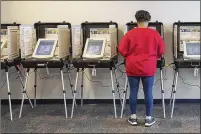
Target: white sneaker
149 122
132 121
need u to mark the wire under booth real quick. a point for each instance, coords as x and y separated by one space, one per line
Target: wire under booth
94 46
186 52
158 26
10 55
47 45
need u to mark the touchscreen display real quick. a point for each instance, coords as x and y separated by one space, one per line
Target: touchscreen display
45 47
193 48
94 47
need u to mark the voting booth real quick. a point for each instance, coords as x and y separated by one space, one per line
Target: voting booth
94 45
158 26
45 45
10 54
186 51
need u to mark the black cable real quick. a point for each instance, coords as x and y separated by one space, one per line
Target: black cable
117 67
39 75
16 78
95 81
185 82
165 73
72 68
188 83
122 73
164 77
139 87
23 76
118 85
102 84
6 80
117 89
47 77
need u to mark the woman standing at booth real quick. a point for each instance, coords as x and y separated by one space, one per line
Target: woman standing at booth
141 47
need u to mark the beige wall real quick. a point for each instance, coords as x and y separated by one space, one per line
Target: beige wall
77 12
29 12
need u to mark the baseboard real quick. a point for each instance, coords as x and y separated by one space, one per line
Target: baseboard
94 101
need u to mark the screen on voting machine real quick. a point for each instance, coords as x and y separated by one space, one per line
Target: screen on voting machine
193 48
45 47
95 47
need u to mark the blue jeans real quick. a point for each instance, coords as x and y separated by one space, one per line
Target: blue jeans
147 83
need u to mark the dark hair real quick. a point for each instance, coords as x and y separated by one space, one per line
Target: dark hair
142 16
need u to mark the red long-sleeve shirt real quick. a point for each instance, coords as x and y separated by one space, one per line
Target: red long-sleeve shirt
141 47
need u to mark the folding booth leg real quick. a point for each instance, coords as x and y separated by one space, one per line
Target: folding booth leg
82 81
24 92
19 75
173 86
113 93
64 92
117 86
124 97
126 92
35 85
74 92
162 92
174 93
22 83
71 85
9 94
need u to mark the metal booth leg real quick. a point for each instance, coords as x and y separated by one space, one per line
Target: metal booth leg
24 92
9 93
74 92
126 93
35 85
115 76
174 92
19 75
162 92
173 86
82 87
113 93
124 97
64 92
22 83
70 81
